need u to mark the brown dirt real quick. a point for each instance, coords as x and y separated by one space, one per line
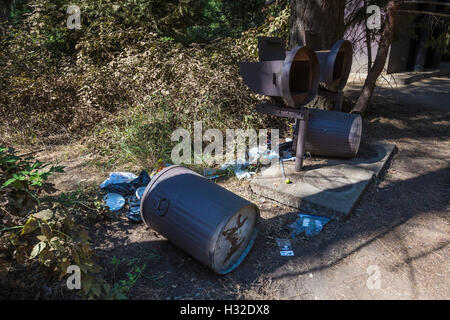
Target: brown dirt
402 225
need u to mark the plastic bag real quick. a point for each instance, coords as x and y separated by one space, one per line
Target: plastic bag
118 177
114 201
310 224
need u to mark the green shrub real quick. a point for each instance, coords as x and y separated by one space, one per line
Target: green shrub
26 175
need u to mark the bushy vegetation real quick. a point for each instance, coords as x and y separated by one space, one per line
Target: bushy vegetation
133 73
136 69
40 236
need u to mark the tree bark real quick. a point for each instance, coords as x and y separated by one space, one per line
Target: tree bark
368 42
380 60
316 23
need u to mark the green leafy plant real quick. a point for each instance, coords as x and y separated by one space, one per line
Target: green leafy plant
52 238
121 288
21 173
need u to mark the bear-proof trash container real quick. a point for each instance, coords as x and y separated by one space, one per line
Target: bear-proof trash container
210 223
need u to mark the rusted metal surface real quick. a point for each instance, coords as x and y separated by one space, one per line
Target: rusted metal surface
270 48
300 76
335 65
295 75
208 222
276 111
327 133
295 78
300 140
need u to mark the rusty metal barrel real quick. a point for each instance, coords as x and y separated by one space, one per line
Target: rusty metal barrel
333 134
210 223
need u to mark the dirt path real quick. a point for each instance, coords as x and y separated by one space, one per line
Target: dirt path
399 233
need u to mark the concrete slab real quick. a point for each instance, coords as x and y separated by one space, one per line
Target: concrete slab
373 157
332 189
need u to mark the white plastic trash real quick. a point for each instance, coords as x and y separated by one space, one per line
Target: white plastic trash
118 177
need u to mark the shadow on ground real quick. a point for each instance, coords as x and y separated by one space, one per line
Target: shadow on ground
401 224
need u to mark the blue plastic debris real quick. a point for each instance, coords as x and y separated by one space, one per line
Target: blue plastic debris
122 184
140 192
134 211
114 201
310 224
118 177
210 174
129 187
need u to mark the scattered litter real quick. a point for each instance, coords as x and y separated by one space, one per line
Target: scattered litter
310 224
239 167
123 188
160 164
241 174
140 192
255 153
128 188
210 174
114 201
235 165
285 247
134 211
287 156
118 177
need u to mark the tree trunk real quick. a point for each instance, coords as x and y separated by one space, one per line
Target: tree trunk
424 35
316 23
368 42
380 60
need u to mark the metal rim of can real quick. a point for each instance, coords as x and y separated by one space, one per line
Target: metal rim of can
149 187
346 47
286 71
358 123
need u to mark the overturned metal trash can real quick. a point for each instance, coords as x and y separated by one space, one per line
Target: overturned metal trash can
210 223
333 134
